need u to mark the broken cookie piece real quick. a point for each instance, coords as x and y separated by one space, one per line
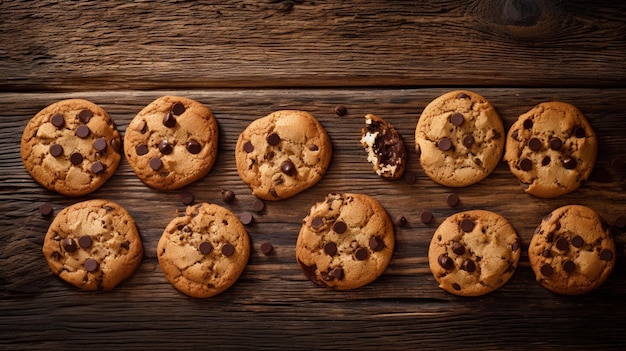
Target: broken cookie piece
384 146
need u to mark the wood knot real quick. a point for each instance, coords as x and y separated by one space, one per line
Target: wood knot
520 12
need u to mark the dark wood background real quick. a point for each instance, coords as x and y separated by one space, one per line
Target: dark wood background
245 59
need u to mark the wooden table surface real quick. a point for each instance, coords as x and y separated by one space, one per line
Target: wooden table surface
245 59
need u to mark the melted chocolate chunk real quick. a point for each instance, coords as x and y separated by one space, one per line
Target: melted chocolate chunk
337 273
376 243
56 150
445 262
58 121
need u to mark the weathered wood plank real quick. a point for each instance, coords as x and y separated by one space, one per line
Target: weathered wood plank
72 46
274 305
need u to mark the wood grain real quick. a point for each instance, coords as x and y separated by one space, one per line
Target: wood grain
75 46
273 305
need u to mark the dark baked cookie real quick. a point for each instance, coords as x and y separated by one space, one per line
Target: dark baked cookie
71 147
473 253
345 242
572 252
384 146
172 142
205 251
93 245
460 138
551 149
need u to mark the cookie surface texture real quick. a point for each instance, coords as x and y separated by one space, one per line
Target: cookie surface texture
345 242
384 146
93 245
571 251
473 253
551 149
283 154
71 147
172 142
460 139
205 251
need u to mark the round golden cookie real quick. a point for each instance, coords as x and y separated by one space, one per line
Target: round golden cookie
172 142
205 251
345 242
93 245
473 253
571 251
460 138
283 154
551 149
71 146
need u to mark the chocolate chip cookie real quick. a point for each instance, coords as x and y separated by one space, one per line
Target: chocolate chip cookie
384 146
71 146
93 245
551 149
205 251
172 142
473 253
345 242
572 252
460 139
283 154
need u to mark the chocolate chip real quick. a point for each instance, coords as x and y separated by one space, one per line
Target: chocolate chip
46 209
467 225
228 249
169 120
57 120
337 273
82 132
273 139
69 245
528 124
165 147
409 177
228 195
100 144
401 221
606 255
545 161
458 249
288 168
515 246
246 218
525 164
85 116
317 222
534 144
330 249
468 266
468 140
258 205
577 241
569 163
85 241
555 143
426 216
462 96
361 253
313 147
178 109
248 147
274 193
456 286
546 253
340 227
144 127
376 243
444 144
206 247
193 147
562 244
186 197
141 149
97 167
116 145
91 265
580 132
546 270
56 150
76 158
457 119
569 266
266 248
445 262
341 110
155 163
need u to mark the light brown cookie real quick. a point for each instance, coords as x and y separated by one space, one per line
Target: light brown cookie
551 149
283 154
71 147
571 251
460 138
205 251
172 142
473 253
345 242
384 146
93 245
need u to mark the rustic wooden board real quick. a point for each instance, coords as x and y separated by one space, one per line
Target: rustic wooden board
273 305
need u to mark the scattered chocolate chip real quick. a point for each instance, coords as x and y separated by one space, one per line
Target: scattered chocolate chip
546 270
468 140
288 168
469 266
467 225
258 205
178 108
313 147
401 221
515 246
545 161
361 253
85 241
193 147
337 273
341 110
56 150
606 255
165 147
155 163
620 222
452 199
228 249
246 218
186 197
69 245
409 177
458 249
169 120
330 249
100 144
569 266
456 286
85 116
340 227
317 222
248 147
116 145
141 149
46 209
266 248
528 124
534 144
273 139
580 132
444 144
97 167
577 241
457 119
426 216
562 244
76 158
525 164
91 265
445 262
569 163
376 243
555 143
228 195
82 132
206 247
57 120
